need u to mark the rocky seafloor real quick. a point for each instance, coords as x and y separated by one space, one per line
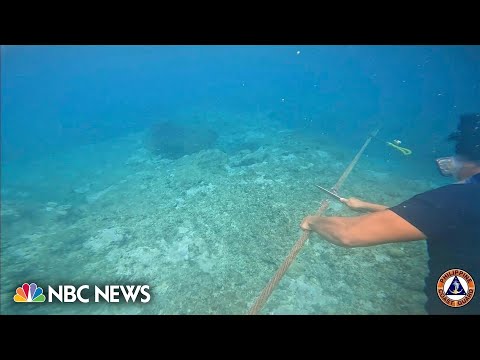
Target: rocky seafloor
205 231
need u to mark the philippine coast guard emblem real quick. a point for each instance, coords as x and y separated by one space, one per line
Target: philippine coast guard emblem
455 288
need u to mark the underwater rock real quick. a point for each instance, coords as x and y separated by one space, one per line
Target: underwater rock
82 189
202 189
197 169
135 160
59 209
395 252
140 157
174 141
63 209
105 238
234 143
9 211
251 158
94 197
213 158
323 155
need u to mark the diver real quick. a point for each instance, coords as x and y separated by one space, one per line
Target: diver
448 218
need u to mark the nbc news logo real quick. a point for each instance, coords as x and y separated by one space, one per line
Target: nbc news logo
69 293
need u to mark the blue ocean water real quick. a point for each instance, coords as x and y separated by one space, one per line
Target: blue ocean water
90 195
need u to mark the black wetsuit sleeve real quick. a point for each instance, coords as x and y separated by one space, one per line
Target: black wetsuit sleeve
436 213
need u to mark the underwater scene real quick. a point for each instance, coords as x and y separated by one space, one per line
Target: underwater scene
190 168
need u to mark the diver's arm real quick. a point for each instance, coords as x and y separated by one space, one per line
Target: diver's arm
357 204
377 228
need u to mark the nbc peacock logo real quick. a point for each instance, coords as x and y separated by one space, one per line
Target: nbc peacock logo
29 293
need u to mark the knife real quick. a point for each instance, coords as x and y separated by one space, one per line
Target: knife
329 192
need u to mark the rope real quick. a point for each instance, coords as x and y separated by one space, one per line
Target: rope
267 291
350 167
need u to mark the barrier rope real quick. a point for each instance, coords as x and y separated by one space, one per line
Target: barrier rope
267 291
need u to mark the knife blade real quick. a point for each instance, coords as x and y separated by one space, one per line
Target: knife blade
329 192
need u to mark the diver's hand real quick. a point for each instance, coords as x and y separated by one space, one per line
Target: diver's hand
354 203
307 222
